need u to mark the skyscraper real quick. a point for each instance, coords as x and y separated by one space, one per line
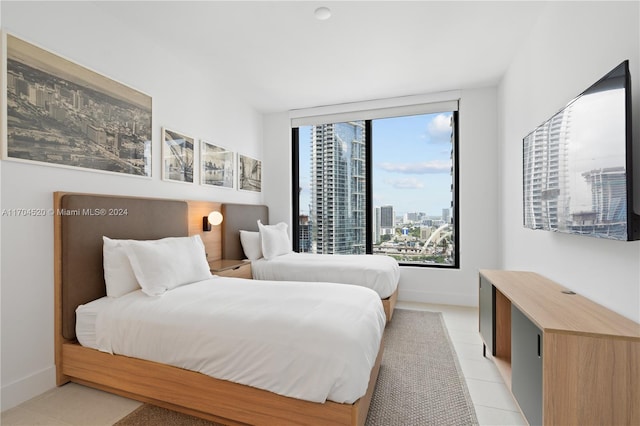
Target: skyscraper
386 220
376 226
338 197
546 171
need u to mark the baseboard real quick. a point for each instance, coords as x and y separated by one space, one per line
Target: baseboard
29 387
437 298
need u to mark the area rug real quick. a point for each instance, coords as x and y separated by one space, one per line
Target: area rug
420 381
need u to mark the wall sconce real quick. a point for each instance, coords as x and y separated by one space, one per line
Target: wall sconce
215 218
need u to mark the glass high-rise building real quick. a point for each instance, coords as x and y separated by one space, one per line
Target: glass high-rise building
545 183
338 197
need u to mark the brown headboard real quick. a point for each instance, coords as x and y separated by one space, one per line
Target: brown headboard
80 222
239 217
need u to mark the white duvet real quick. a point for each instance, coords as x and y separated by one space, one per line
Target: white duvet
314 342
379 273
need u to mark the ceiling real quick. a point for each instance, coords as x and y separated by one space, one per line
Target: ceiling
278 56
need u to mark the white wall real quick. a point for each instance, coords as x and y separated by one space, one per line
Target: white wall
184 99
478 166
573 45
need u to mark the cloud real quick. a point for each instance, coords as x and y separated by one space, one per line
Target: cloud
439 129
421 168
406 183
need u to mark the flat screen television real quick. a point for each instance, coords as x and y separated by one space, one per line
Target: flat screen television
577 166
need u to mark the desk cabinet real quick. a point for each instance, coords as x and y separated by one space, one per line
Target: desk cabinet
487 314
526 366
566 359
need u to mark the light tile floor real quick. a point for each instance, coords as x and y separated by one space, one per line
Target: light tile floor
76 405
491 398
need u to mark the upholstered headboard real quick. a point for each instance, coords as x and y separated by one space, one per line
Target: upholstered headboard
80 222
239 217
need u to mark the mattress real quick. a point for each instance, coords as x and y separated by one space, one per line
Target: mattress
315 342
379 273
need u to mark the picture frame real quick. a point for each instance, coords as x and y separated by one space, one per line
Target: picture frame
249 173
59 113
177 156
216 165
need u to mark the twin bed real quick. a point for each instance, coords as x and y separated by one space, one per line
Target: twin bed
242 237
236 351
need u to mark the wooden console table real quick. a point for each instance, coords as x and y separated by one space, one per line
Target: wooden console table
566 359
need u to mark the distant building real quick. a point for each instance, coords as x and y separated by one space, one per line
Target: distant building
387 220
376 226
412 217
304 235
425 232
446 215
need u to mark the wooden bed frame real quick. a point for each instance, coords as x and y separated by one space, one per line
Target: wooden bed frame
245 217
79 223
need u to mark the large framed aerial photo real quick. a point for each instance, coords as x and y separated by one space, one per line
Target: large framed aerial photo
249 174
177 156
59 113
216 165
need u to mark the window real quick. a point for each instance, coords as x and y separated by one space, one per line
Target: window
385 185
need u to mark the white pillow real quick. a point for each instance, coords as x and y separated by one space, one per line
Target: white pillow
160 265
118 275
274 240
251 246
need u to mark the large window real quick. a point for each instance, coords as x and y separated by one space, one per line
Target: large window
382 186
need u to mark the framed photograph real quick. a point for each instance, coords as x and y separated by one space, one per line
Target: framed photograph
61 114
249 174
177 156
216 165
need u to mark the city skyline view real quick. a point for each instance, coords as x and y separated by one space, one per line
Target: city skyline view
411 164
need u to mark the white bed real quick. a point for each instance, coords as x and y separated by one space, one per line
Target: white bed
151 258
315 342
271 256
379 273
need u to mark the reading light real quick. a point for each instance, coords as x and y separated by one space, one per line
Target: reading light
215 218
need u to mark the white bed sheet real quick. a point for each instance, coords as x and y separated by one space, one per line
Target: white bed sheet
379 273
86 316
314 342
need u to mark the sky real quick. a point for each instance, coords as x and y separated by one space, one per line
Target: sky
411 164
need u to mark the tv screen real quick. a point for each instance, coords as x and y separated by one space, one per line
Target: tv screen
577 164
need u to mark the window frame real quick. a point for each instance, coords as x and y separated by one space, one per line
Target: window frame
455 199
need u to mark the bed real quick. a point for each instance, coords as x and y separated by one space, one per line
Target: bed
241 239
79 226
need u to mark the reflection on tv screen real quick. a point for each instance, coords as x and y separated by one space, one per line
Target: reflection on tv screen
574 164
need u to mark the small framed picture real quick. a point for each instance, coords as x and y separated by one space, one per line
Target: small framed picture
216 165
177 156
249 174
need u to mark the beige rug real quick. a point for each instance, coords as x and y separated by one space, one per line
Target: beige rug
150 415
420 381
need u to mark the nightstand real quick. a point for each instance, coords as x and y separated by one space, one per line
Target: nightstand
231 268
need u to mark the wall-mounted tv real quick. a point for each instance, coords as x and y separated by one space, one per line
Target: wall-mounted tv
577 166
